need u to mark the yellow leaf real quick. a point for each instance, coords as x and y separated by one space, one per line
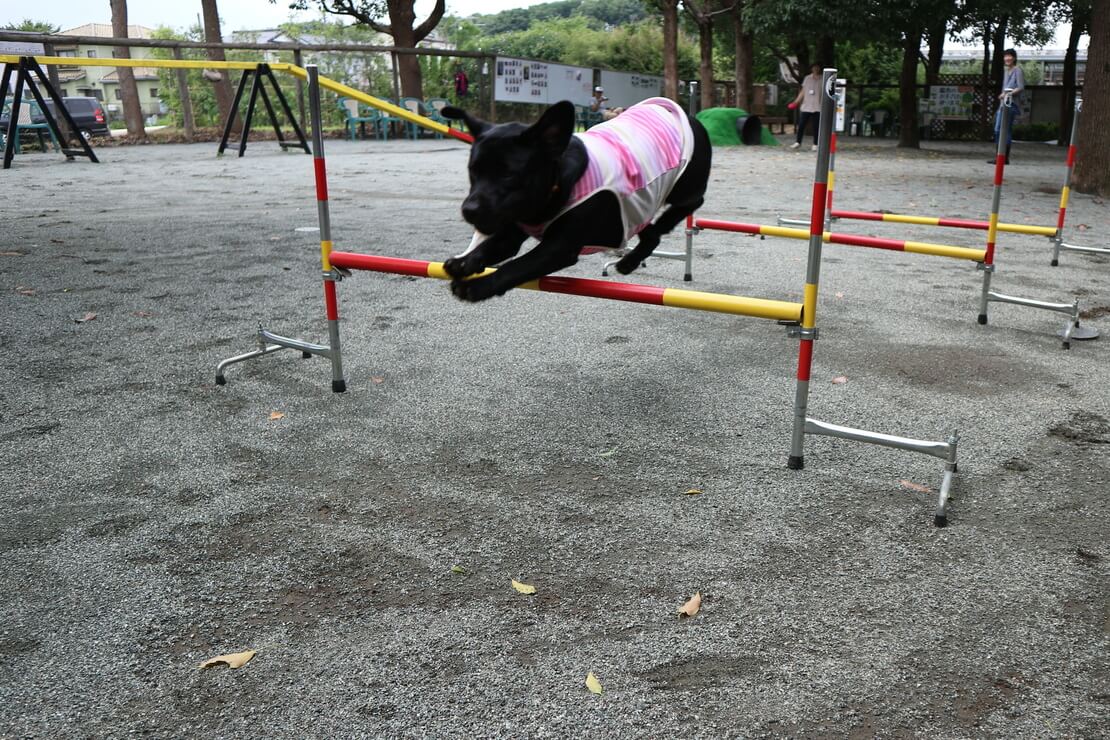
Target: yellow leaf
275 415
692 492
691 607
523 588
232 660
592 683
458 569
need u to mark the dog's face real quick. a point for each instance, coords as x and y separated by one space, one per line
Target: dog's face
513 167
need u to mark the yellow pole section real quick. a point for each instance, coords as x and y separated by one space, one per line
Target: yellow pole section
370 100
809 306
166 63
1028 229
784 232
992 229
761 308
900 219
943 250
1064 196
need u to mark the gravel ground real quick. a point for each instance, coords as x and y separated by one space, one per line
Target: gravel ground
151 519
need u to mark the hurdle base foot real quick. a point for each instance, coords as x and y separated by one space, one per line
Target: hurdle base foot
306 355
688 277
338 386
940 521
795 462
1055 263
982 318
221 380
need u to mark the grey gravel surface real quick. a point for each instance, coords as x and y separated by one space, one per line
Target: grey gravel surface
150 519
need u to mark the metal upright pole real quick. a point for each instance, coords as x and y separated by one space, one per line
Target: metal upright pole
807 333
987 266
338 384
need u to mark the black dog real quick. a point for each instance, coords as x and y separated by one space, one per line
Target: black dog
522 175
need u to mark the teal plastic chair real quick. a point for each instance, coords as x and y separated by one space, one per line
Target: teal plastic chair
386 120
435 107
414 105
356 117
27 113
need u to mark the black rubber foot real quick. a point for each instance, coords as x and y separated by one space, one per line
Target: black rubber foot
1055 263
795 462
338 386
305 355
982 318
688 277
221 380
955 467
604 273
940 521
1067 345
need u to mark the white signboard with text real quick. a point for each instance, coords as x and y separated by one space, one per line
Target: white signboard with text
526 81
626 88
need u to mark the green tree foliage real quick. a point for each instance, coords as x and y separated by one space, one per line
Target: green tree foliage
607 12
33 26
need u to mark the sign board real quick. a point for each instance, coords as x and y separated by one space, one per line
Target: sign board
949 102
626 88
841 101
526 81
21 48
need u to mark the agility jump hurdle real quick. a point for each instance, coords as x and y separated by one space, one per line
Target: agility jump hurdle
800 317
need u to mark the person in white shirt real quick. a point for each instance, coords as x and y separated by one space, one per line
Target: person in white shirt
809 97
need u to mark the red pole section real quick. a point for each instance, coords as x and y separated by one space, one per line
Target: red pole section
874 242
999 168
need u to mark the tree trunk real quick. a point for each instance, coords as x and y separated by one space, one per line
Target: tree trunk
745 59
907 89
408 65
223 88
670 48
1092 168
936 52
824 52
998 66
1067 102
705 65
128 90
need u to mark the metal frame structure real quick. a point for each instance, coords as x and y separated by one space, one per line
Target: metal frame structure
1058 243
800 318
259 75
26 68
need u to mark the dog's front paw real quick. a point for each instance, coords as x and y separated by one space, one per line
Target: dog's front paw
473 290
459 267
627 263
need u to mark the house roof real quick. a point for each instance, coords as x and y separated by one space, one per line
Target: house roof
104 30
70 75
141 73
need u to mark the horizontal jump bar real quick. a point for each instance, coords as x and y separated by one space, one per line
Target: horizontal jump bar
614 291
955 223
390 108
938 250
167 63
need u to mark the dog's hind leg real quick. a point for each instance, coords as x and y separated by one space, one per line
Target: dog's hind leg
675 214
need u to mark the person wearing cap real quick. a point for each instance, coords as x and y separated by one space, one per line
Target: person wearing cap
599 105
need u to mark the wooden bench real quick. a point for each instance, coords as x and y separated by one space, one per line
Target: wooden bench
771 121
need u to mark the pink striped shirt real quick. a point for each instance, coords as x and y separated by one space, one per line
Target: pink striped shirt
638 156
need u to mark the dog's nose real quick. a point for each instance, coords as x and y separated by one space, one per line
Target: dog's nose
470 211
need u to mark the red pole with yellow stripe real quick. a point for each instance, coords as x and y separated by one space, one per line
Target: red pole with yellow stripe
807 332
996 202
331 304
1066 190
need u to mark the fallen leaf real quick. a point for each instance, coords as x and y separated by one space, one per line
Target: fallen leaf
377 379
57 241
839 380
592 683
523 588
691 607
12 253
232 660
914 486
275 415
1082 227
597 477
610 453
87 317
142 314
839 295
458 569
24 290
691 492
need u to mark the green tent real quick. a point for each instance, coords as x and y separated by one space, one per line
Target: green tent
721 125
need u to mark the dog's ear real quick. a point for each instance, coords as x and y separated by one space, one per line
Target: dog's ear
555 127
475 125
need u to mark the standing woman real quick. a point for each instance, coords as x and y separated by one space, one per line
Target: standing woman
1013 82
810 99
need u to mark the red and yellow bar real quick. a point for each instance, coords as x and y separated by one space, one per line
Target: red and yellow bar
955 223
629 292
874 242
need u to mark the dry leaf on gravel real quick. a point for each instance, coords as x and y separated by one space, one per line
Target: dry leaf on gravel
275 415
142 314
24 290
914 486
523 588
839 295
87 317
691 607
839 380
12 253
458 569
1082 227
592 683
377 379
692 492
608 453
231 660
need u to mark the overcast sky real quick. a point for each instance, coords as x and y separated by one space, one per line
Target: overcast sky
236 14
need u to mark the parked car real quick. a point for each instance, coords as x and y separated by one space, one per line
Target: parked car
87 113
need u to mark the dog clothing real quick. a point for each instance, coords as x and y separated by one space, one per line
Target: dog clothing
638 156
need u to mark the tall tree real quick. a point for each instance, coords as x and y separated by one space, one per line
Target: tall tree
1079 13
222 84
745 58
1092 169
33 26
702 13
669 9
128 90
402 27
